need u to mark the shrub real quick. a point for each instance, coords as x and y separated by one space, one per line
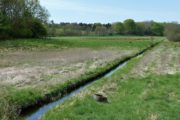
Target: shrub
172 32
38 29
157 29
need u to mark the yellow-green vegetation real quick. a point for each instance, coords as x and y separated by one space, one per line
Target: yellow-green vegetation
69 42
32 69
139 91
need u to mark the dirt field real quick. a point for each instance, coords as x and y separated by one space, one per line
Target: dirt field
23 68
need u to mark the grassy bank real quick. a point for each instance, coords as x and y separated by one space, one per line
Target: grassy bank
153 97
150 97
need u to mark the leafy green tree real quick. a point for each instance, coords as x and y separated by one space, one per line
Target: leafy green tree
147 27
130 26
38 29
19 16
118 28
157 29
4 27
140 28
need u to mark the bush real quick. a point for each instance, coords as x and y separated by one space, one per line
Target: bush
130 27
172 32
157 29
22 19
38 29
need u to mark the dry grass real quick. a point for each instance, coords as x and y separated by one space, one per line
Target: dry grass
7 111
31 69
164 59
40 69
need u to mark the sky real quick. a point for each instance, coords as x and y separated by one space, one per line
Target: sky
109 11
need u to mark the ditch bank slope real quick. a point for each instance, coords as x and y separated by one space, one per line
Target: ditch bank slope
62 90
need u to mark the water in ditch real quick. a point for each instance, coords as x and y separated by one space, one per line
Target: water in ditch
37 113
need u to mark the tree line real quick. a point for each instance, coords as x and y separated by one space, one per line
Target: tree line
22 19
28 19
128 27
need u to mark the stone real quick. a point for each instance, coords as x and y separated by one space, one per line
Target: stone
100 97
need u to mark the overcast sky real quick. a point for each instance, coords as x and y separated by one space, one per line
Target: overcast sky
108 11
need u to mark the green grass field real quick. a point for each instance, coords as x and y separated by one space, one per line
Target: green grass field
31 68
153 97
69 42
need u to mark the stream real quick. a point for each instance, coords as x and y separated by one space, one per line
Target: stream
37 112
